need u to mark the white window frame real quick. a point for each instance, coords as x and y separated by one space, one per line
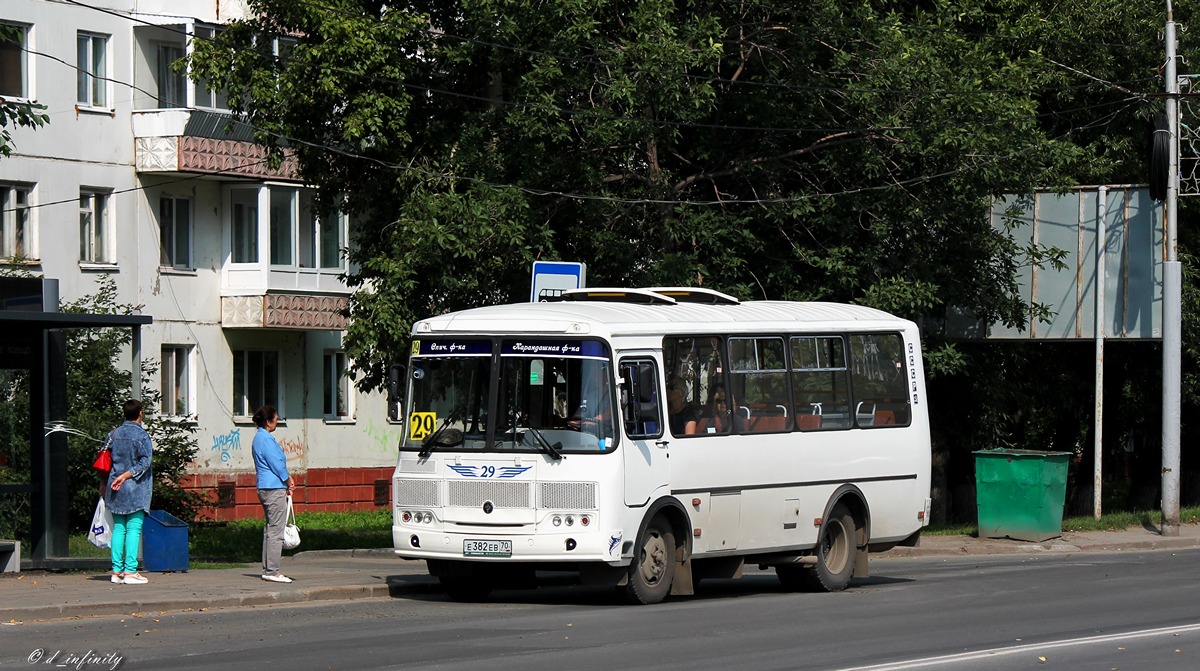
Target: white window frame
18 237
321 237
172 233
243 405
95 226
283 225
172 86
22 58
92 78
243 225
335 367
176 363
203 97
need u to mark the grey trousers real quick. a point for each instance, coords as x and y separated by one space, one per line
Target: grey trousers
274 503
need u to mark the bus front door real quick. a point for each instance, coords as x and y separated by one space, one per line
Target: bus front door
645 449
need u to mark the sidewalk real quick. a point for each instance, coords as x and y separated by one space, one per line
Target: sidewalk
356 574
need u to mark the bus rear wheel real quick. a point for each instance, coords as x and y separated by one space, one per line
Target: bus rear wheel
836 554
653 568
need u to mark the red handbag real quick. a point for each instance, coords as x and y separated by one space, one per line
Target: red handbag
103 460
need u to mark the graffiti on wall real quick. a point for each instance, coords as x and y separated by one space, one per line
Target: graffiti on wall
292 447
383 438
227 443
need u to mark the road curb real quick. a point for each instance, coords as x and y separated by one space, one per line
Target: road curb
1055 546
141 608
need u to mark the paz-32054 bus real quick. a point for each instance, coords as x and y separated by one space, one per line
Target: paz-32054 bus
649 438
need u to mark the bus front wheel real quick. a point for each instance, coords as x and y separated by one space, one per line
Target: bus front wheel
836 554
653 568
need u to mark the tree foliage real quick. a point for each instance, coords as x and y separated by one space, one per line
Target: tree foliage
827 151
97 387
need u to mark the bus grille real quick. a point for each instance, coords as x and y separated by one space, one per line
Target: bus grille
417 493
418 466
567 495
501 494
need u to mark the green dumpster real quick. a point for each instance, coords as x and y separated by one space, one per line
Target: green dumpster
1020 493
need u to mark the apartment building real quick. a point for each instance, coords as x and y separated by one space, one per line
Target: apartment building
139 177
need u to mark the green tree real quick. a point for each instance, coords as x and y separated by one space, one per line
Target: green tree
834 151
96 388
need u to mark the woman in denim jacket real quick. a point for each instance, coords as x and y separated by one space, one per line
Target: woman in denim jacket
130 484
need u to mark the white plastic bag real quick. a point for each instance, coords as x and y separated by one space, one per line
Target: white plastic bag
291 532
100 534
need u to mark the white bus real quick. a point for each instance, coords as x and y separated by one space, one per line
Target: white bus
649 438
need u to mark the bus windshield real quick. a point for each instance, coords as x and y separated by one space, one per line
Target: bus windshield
551 397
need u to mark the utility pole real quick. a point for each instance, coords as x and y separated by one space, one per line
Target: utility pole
1172 304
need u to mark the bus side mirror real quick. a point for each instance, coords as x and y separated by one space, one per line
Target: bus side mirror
395 401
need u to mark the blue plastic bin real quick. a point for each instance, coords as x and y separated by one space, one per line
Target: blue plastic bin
164 542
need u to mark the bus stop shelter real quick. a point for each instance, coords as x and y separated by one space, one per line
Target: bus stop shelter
33 339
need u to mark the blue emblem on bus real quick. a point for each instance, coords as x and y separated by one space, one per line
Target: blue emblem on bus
501 473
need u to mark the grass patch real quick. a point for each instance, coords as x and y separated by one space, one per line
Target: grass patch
1117 521
241 540
238 543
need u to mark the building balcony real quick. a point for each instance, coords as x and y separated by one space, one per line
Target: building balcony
181 140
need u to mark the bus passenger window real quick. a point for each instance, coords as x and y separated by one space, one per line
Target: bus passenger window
879 380
695 370
759 381
820 388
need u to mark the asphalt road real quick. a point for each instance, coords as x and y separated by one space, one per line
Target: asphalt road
1133 610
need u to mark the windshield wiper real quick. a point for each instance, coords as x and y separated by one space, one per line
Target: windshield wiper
431 442
552 450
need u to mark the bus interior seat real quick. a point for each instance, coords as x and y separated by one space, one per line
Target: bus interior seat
804 422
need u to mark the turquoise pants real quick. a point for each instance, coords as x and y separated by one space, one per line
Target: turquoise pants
126 539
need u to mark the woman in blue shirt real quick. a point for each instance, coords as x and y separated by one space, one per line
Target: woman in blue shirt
274 488
130 484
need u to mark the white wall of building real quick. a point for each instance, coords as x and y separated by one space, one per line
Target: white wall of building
95 148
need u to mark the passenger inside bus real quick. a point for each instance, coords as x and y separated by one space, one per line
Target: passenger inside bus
681 415
716 417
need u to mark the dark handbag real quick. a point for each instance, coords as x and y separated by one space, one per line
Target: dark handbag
103 460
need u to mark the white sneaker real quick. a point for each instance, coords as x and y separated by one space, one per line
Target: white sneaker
117 578
276 577
135 579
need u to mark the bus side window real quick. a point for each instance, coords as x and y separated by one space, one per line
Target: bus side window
879 380
640 404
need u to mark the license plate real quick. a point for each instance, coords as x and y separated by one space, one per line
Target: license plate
481 548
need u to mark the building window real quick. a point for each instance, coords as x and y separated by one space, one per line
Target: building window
92 78
176 380
16 228
321 236
337 387
14 66
245 225
205 96
175 232
172 84
94 227
255 381
283 222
